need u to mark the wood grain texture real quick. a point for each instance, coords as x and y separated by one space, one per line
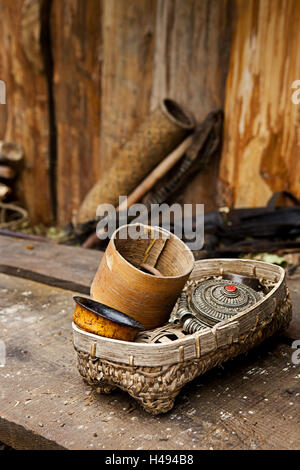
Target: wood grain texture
261 142
127 74
25 117
250 403
190 65
62 266
77 54
114 60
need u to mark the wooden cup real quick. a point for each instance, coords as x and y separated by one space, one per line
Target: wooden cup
120 284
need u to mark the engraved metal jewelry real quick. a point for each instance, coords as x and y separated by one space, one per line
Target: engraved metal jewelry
213 301
217 300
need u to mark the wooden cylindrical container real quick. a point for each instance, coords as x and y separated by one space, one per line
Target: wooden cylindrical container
157 136
120 284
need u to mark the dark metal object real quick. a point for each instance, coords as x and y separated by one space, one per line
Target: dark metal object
251 230
109 313
252 282
217 300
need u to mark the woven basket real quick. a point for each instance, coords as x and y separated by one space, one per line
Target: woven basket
154 372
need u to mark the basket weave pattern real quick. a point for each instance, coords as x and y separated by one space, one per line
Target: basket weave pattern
157 387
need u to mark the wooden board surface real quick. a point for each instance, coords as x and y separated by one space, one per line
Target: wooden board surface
57 265
261 139
249 403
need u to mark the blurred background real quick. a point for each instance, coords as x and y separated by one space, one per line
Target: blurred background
81 75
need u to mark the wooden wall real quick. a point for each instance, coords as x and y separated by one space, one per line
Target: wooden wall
112 61
77 49
261 152
25 117
190 65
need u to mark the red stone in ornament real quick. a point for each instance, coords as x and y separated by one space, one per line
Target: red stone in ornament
230 288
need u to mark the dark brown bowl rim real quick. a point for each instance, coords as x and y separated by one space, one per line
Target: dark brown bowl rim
109 313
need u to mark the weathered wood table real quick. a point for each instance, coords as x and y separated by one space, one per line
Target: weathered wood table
249 403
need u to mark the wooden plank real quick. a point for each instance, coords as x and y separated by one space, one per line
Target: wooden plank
26 116
128 48
249 403
77 48
192 42
57 265
261 140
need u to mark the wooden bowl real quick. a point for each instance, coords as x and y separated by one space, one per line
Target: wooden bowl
102 320
120 283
